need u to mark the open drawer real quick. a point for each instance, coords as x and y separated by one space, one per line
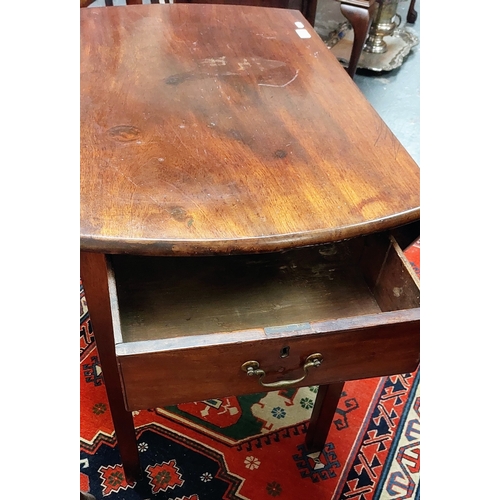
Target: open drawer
194 328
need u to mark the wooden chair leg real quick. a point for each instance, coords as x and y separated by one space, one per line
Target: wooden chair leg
93 272
412 14
360 19
323 412
309 8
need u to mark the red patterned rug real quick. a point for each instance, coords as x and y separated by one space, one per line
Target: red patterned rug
251 447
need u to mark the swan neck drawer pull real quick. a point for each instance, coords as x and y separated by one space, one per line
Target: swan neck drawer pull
252 369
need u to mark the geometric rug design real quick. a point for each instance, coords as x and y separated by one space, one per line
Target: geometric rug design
252 447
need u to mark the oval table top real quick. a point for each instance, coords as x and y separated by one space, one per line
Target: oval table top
227 129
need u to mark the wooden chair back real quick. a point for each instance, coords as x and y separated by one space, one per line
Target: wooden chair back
306 7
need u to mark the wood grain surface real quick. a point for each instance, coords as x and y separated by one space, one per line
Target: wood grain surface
221 129
165 297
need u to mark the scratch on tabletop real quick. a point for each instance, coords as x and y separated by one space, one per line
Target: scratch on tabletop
280 86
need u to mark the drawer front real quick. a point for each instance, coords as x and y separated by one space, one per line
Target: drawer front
210 366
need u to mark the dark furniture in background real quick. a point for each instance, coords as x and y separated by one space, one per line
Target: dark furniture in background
360 14
307 7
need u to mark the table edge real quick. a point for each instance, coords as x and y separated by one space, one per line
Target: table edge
262 244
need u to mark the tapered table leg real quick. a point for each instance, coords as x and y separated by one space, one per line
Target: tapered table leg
93 272
360 18
323 412
412 14
86 496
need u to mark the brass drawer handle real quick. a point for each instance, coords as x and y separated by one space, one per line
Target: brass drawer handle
252 368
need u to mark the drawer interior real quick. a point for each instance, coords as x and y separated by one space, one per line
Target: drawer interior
165 297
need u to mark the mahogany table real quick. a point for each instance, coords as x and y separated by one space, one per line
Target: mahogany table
243 209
